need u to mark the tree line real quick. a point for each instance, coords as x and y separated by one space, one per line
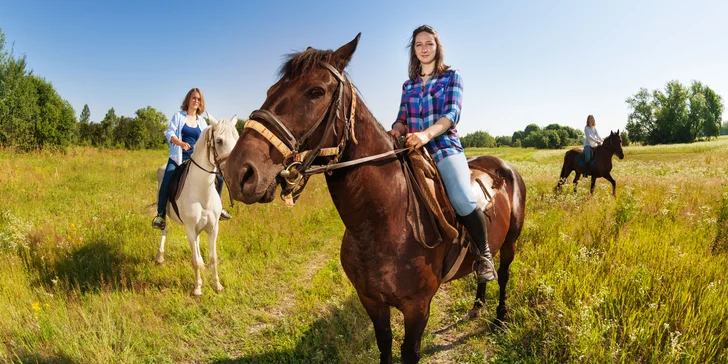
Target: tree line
552 136
679 114
34 116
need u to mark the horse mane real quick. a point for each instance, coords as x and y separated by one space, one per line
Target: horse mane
297 64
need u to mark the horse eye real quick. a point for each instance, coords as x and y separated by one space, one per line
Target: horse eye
218 141
315 93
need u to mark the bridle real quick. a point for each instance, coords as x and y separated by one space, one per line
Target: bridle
298 163
217 160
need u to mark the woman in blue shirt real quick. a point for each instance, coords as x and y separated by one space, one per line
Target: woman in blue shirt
184 129
428 113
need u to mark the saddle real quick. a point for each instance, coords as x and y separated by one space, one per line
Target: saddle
428 192
581 158
177 184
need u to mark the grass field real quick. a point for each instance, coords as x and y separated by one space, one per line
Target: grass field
639 278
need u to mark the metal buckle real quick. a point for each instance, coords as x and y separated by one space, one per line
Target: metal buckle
291 175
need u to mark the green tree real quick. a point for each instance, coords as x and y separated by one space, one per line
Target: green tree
714 112
108 124
478 139
724 128
671 111
518 135
84 127
85 114
530 129
503 140
625 138
640 121
153 124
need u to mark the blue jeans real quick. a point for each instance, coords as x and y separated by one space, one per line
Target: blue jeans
456 177
164 187
587 153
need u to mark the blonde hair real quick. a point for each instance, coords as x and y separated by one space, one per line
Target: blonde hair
186 104
590 120
414 64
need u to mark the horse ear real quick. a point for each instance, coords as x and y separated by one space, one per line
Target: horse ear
343 55
617 131
211 118
234 119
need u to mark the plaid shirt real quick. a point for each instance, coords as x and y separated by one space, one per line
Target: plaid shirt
422 105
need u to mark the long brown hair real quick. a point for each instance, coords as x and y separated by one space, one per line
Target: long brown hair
414 64
186 104
590 119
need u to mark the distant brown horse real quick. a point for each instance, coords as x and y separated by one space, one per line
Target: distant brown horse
314 114
601 163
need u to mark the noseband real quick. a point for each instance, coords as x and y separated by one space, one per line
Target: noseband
297 162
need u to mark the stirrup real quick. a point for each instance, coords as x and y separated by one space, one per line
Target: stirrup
157 224
481 260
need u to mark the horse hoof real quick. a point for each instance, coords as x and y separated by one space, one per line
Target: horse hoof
501 315
197 292
219 288
160 258
472 314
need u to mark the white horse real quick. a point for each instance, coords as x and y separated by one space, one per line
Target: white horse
199 203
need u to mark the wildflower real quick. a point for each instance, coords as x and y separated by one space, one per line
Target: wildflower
35 306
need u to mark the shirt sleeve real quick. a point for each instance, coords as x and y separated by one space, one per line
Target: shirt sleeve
402 115
453 98
172 128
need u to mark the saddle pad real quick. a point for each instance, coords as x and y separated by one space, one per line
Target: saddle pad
177 184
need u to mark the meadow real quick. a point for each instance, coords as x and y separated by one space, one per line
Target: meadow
637 279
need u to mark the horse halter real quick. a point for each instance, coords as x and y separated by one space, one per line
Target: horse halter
217 161
296 162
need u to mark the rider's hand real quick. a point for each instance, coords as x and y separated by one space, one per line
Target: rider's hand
397 130
185 146
417 140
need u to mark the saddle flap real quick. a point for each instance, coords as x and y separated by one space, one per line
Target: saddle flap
433 193
177 184
484 186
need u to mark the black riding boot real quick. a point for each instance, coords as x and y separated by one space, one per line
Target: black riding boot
478 229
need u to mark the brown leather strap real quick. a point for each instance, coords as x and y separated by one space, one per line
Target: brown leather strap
335 166
414 190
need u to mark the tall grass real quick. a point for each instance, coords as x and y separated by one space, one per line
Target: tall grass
639 278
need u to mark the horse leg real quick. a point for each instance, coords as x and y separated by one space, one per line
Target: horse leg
160 252
379 313
593 183
611 180
192 238
212 242
507 253
479 301
565 172
576 180
416 312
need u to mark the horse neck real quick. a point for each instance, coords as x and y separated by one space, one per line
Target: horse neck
360 192
201 155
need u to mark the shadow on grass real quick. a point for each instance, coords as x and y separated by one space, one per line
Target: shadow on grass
346 335
24 356
98 265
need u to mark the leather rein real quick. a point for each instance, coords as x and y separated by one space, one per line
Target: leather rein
218 160
297 163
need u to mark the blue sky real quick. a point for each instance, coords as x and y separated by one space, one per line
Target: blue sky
522 62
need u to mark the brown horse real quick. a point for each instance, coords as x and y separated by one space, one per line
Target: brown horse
313 113
601 163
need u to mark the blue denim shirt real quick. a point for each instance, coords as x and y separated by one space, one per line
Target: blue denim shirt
175 129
